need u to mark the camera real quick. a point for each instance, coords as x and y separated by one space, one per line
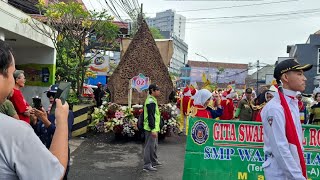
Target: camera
37 102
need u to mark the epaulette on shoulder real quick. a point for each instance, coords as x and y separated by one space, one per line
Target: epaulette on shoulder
193 111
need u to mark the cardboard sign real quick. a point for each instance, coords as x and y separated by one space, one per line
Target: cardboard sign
140 82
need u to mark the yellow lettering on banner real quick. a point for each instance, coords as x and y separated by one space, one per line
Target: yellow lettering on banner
260 177
242 176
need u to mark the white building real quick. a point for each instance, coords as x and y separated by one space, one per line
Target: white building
34 53
169 21
172 26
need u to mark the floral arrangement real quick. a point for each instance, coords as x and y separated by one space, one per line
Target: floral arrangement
115 118
111 117
169 115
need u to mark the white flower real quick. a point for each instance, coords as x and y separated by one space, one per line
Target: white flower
137 106
123 108
104 102
101 107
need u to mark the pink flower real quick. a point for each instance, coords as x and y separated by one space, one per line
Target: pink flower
119 114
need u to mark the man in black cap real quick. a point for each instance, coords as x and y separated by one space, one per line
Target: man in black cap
282 131
98 94
151 128
244 110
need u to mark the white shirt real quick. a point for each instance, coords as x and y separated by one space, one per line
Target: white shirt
274 135
22 154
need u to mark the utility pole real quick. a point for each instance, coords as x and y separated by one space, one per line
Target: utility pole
207 62
258 66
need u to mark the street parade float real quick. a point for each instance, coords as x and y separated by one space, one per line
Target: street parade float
140 66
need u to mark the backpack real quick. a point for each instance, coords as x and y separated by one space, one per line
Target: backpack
140 122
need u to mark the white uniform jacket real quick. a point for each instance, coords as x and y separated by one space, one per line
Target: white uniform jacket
283 159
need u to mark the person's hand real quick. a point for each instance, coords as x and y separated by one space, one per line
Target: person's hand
61 112
154 134
33 118
27 113
29 108
41 114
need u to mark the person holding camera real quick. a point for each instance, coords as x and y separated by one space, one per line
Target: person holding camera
44 124
18 141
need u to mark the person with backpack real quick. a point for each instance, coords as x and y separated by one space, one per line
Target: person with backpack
151 127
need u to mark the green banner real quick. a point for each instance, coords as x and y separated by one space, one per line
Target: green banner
234 150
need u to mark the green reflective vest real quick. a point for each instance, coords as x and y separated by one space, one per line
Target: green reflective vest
150 99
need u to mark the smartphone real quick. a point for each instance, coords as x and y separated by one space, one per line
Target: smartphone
37 102
62 94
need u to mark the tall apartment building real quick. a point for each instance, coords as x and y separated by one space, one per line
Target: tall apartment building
172 26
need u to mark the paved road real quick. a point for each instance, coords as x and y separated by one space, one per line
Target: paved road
101 157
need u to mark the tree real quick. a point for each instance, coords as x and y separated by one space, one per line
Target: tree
220 71
75 32
156 33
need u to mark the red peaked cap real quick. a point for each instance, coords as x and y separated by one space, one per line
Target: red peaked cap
225 93
193 91
186 89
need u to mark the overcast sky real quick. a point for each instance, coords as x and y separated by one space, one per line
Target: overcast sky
228 40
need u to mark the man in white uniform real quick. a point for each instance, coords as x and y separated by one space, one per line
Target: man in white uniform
22 154
281 122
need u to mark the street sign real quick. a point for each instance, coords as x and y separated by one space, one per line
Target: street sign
140 82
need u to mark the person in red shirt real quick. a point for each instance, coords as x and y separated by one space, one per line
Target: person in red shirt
184 109
20 104
201 102
228 106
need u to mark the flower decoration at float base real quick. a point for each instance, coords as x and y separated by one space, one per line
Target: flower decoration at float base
98 117
122 121
169 116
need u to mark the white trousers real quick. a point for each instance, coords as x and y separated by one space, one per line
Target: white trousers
272 171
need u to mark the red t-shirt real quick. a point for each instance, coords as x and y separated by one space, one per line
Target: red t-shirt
228 109
20 104
185 102
202 112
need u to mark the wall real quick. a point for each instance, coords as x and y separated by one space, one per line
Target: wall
29 59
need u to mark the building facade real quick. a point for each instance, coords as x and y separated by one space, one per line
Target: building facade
34 53
263 76
308 53
169 21
172 26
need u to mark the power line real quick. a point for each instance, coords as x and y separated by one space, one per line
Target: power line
248 21
235 6
306 11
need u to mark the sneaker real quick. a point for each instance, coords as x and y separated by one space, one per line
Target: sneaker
157 164
147 169
181 133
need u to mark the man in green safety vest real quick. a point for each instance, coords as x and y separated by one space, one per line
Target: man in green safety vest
151 127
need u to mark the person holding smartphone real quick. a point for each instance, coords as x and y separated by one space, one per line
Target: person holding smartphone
44 123
18 141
